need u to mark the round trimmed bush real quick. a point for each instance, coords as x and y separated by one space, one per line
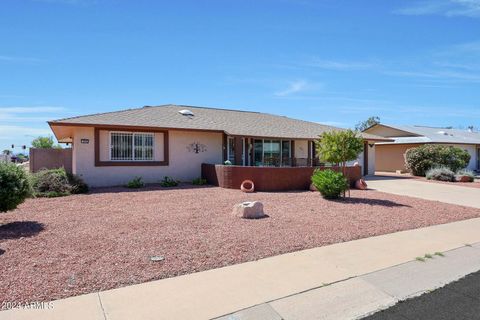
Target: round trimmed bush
421 159
440 174
330 183
14 186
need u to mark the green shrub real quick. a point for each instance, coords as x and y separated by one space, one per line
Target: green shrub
51 182
77 184
440 174
169 182
199 181
227 163
14 186
421 159
466 173
330 183
135 183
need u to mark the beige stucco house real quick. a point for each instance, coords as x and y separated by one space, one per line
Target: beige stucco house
173 140
390 155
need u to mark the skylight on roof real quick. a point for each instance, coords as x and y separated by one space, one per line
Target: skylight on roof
186 112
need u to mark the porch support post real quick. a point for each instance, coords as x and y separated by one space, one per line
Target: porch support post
309 157
314 153
247 150
252 155
292 152
224 147
238 150
365 157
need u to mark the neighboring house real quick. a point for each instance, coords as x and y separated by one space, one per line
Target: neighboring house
171 140
390 156
5 157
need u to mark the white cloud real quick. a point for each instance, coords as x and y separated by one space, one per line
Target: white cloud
31 114
339 65
294 87
449 8
39 109
8 132
440 75
19 59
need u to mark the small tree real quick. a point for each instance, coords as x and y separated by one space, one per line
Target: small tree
339 147
44 143
362 125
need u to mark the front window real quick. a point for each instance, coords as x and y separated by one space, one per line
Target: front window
126 146
272 152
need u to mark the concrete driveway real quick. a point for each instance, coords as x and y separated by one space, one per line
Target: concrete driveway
453 194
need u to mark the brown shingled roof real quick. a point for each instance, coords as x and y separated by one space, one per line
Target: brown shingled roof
232 122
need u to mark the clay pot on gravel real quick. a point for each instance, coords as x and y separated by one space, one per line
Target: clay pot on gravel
247 186
361 184
249 210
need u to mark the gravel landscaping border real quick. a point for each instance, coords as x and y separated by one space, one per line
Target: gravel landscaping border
53 248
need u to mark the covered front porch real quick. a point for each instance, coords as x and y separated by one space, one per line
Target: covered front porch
284 152
269 152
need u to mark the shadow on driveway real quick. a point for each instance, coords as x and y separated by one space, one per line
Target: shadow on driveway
373 202
18 229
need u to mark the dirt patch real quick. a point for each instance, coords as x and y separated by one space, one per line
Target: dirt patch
60 247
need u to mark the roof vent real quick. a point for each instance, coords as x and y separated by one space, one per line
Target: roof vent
443 132
186 112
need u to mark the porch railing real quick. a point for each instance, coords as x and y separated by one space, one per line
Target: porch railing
289 162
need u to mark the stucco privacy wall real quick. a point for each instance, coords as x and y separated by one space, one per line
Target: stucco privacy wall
184 164
390 157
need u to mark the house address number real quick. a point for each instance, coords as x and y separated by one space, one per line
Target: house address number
84 141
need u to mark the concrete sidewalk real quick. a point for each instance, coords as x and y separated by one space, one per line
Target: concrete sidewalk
454 194
219 292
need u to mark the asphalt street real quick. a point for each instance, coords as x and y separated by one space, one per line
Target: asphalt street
456 301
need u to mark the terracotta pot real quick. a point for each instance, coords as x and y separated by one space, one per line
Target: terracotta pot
247 186
361 184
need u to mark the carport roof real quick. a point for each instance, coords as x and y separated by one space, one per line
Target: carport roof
425 134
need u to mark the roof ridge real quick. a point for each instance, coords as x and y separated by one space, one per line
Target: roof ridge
202 107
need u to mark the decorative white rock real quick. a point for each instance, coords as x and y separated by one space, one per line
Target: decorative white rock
249 210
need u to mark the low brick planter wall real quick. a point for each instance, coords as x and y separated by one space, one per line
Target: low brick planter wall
267 178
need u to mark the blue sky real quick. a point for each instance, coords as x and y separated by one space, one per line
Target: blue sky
334 62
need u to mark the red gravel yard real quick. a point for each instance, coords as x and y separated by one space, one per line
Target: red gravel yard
60 247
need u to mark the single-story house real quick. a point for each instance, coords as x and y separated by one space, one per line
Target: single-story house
175 140
390 155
